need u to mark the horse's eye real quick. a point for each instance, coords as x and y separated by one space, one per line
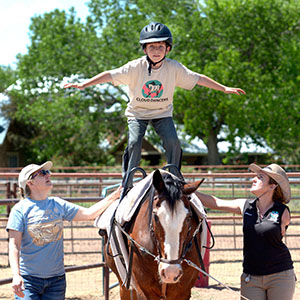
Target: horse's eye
189 218
156 218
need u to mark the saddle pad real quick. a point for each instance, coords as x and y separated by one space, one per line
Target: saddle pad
103 221
198 206
125 208
131 202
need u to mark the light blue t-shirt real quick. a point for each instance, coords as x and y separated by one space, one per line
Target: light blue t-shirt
41 224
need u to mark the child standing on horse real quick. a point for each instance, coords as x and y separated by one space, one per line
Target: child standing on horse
151 80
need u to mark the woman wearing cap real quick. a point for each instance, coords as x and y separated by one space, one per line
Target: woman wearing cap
151 80
35 229
268 272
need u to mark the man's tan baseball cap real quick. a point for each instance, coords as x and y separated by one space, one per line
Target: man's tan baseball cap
27 171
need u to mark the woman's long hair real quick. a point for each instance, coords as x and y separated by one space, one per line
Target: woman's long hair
277 195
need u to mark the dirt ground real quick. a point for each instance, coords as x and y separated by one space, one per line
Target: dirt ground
87 284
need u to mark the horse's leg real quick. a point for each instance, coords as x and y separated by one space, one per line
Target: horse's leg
125 294
128 294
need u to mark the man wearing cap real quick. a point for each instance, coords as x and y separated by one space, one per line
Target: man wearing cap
268 272
35 228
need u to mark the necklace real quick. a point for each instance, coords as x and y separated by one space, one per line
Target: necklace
259 213
260 216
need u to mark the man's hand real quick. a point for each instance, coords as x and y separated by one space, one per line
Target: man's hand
18 285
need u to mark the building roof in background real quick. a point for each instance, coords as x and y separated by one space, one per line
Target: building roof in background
3 129
192 147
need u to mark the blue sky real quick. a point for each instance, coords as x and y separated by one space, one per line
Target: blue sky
15 18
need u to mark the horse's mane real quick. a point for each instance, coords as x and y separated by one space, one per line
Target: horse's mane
173 189
172 193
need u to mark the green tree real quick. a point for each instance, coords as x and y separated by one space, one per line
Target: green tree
68 126
248 44
7 77
245 44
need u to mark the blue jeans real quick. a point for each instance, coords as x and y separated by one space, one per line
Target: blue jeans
53 288
165 128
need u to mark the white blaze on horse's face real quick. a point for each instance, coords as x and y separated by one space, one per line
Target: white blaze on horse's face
172 224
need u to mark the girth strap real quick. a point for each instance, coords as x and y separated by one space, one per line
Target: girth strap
199 253
129 272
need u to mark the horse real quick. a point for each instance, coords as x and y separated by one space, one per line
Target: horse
163 235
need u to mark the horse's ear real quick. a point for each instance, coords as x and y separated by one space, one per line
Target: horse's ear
158 181
190 188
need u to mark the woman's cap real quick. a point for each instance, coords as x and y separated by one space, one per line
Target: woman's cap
279 175
156 32
27 171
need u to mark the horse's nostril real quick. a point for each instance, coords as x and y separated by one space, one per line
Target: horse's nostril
178 276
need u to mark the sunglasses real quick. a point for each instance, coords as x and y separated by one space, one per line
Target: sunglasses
42 172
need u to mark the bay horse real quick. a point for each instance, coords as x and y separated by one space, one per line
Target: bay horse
164 234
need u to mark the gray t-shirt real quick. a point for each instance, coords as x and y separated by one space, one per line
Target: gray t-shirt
151 97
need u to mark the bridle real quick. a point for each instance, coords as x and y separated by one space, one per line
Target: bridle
185 249
158 257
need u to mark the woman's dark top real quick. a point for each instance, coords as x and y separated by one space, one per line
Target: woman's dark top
264 251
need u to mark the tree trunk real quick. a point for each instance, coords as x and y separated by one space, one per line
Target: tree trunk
213 156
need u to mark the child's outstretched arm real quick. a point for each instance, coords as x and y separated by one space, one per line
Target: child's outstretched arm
103 77
212 84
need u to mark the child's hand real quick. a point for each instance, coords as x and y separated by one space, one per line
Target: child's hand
74 85
229 90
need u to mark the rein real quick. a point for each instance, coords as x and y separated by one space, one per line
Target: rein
181 259
190 263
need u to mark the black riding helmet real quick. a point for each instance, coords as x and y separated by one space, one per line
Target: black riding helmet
156 32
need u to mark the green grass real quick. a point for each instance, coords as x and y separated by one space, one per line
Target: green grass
2 210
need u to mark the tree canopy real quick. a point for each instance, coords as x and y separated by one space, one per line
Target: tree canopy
248 44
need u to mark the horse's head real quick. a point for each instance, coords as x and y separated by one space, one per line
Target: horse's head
172 224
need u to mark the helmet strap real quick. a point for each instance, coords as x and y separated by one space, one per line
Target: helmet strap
151 63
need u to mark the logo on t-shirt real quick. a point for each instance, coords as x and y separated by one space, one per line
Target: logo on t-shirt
274 215
152 89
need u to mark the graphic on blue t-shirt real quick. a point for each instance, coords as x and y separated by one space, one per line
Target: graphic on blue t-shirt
45 233
152 89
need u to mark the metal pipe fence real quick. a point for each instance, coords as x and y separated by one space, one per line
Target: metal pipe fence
86 188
